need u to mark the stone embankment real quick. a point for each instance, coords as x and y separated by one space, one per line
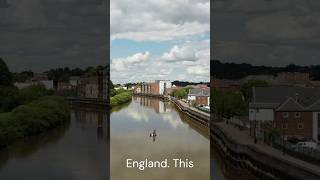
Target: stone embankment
263 161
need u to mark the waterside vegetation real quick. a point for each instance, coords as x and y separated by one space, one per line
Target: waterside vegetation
29 111
33 119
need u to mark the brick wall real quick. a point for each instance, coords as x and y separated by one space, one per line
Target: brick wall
294 124
202 100
154 88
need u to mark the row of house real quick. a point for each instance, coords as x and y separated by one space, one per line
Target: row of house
281 79
93 87
293 111
37 79
201 96
159 87
85 87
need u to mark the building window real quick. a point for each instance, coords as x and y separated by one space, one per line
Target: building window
297 114
300 125
285 114
285 126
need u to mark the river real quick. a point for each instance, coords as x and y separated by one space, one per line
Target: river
79 150
75 152
177 137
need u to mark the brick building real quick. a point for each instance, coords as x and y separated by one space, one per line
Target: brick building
158 87
201 96
223 84
292 111
94 87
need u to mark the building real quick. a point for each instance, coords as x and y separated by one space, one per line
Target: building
159 87
293 78
137 89
267 78
163 86
103 89
74 81
224 85
293 111
94 87
37 79
88 87
201 96
63 86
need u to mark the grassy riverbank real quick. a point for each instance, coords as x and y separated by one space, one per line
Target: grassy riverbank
120 98
33 118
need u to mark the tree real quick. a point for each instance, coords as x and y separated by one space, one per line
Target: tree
23 76
5 75
33 92
228 104
246 88
9 98
180 93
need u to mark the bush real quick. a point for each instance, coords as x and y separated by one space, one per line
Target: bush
9 98
32 93
180 93
120 98
33 118
228 103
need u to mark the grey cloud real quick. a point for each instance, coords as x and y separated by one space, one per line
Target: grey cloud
266 54
266 32
42 34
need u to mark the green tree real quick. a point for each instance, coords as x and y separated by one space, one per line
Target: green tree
228 103
23 76
34 92
246 88
180 93
9 98
5 74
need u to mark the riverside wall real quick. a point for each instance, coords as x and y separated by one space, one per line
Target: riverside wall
260 164
200 117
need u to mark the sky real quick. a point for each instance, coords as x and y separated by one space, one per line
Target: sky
266 32
152 40
39 35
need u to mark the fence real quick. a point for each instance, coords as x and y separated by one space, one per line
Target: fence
307 154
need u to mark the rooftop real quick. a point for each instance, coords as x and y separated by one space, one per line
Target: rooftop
199 92
286 98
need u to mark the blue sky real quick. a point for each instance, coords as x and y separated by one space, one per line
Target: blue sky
166 39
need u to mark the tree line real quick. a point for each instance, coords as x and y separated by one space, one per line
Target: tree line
28 111
236 71
230 103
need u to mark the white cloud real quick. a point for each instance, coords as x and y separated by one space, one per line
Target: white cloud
163 20
185 22
198 70
187 62
122 64
184 53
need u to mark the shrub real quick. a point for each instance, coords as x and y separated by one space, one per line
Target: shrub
120 98
33 118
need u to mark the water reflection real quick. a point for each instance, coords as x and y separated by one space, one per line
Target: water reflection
155 104
97 119
26 148
131 137
162 108
77 151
